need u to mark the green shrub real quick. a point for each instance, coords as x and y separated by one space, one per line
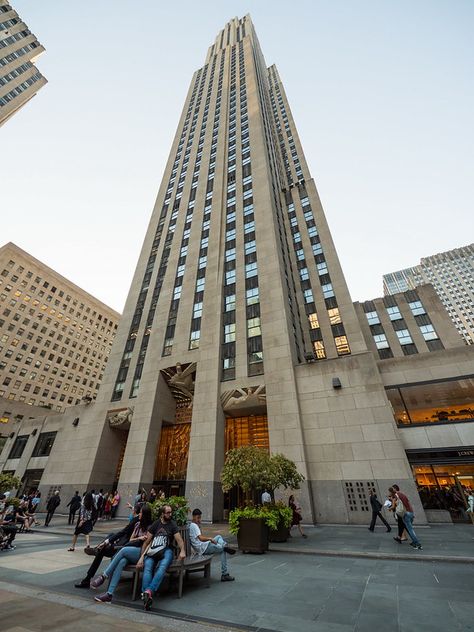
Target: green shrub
274 515
178 504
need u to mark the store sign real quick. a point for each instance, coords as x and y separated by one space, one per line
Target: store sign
440 456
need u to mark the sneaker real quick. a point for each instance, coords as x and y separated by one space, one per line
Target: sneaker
227 578
419 547
84 583
9 547
105 598
370 529
304 535
397 539
230 550
147 597
98 581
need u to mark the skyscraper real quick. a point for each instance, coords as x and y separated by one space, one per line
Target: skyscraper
452 275
238 327
20 80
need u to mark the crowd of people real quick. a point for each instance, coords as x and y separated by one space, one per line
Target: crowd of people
18 514
148 544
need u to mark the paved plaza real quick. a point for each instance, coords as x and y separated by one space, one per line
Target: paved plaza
340 579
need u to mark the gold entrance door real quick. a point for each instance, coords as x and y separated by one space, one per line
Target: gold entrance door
173 451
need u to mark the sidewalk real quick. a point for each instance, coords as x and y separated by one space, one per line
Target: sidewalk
443 543
339 579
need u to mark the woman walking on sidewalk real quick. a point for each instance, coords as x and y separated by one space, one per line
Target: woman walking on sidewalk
84 523
297 517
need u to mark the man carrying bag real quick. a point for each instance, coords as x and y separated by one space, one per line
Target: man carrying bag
157 553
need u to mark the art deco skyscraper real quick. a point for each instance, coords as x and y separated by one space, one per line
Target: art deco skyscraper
239 327
20 80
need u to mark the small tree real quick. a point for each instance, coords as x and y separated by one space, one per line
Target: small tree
253 468
8 482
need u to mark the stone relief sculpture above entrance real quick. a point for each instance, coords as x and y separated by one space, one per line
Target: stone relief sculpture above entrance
120 418
244 400
183 380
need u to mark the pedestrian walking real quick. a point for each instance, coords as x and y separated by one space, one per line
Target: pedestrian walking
84 523
404 509
74 504
297 517
376 509
51 506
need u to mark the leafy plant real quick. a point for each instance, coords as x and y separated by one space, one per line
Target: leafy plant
274 515
9 482
253 468
178 504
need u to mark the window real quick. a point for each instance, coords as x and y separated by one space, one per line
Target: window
428 332
381 341
404 337
417 308
372 318
44 444
433 402
18 447
394 313
342 345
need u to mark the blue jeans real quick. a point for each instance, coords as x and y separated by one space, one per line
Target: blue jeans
408 521
218 548
153 575
127 555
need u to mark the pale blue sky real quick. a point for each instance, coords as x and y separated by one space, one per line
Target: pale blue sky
382 94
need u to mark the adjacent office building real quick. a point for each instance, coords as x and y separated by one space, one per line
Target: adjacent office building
55 338
452 275
239 328
20 80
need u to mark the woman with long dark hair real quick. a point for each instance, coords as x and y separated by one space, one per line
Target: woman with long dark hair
297 517
129 554
84 523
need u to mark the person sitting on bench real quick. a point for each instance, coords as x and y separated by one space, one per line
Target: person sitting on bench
108 548
209 546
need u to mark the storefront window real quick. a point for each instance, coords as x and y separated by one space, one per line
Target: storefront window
433 402
445 487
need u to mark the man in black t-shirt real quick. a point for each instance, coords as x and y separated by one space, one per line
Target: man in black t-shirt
163 532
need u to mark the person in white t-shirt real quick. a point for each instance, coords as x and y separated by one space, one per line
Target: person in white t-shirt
208 546
266 498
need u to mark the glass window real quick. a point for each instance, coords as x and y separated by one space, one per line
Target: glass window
18 447
44 444
372 318
443 401
381 341
417 308
342 345
428 332
404 337
394 313
318 347
334 316
313 320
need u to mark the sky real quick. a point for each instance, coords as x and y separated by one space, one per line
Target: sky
382 94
